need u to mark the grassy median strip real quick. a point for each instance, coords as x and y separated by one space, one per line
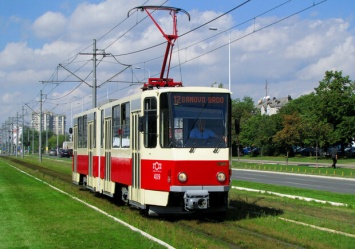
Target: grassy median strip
33 215
309 170
309 223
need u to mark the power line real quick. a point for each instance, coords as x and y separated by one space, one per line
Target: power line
196 57
254 31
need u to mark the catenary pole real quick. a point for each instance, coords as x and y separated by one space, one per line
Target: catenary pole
94 80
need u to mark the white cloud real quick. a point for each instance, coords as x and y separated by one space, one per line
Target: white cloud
292 55
50 25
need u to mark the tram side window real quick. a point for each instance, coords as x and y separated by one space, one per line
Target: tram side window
116 129
150 114
80 132
85 131
125 125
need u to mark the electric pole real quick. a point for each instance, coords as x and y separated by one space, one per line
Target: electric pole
94 80
40 129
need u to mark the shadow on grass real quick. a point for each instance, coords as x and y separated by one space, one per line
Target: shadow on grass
238 210
242 209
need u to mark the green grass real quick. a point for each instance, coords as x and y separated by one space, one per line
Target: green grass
256 212
262 212
315 194
63 165
324 171
33 215
311 159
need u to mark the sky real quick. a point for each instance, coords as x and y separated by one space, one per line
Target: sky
277 48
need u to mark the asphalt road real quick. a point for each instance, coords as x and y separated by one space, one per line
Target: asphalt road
332 184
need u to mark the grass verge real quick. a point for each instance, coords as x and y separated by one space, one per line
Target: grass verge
33 215
323 171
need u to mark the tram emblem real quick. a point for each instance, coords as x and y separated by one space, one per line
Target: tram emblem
157 167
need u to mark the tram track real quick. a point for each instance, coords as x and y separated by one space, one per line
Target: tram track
231 235
45 171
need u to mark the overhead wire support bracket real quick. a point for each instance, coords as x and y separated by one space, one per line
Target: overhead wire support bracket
171 38
75 75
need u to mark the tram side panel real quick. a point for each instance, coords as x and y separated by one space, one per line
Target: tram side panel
121 169
117 145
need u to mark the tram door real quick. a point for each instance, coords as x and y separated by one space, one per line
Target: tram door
135 193
108 144
90 153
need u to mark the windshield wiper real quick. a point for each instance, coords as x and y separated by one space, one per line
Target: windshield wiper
216 150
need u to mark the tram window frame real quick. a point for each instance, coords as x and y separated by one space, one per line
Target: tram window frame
125 125
150 122
80 131
116 126
85 132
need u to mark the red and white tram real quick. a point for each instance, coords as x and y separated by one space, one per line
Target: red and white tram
143 148
139 148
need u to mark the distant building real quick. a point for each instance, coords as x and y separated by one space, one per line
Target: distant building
268 106
51 122
59 122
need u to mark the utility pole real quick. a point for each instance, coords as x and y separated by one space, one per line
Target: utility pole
40 130
17 128
11 135
8 138
94 80
23 130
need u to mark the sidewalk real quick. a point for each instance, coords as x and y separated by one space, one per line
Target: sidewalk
311 164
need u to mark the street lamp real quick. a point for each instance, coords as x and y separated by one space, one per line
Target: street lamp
229 54
144 69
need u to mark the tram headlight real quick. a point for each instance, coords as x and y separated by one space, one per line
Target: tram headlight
221 177
182 177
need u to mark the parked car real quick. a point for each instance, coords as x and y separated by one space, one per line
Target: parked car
246 150
349 152
64 153
251 151
339 151
53 152
70 151
311 152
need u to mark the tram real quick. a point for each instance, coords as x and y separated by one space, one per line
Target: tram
142 148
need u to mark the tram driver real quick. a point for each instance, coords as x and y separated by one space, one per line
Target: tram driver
201 132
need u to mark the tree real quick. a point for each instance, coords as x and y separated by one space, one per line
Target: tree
258 131
241 112
292 132
52 141
304 105
315 131
336 105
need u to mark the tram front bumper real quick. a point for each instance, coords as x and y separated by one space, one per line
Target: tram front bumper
196 199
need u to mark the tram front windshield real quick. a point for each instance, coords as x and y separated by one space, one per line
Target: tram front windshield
194 120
